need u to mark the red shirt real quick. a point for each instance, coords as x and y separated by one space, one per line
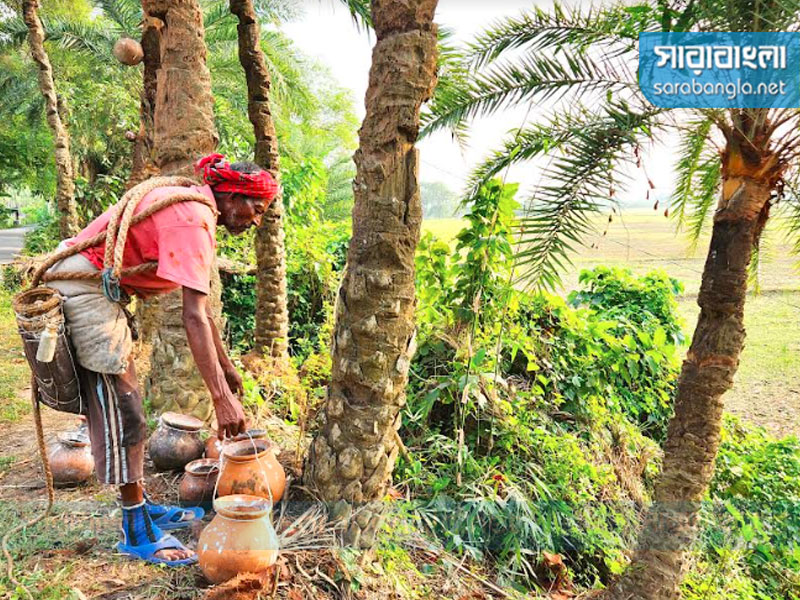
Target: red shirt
180 237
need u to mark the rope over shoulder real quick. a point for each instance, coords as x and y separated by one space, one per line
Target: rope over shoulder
115 236
116 233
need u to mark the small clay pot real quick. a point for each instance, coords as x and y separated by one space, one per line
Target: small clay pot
240 539
128 51
249 467
197 485
176 442
71 459
214 445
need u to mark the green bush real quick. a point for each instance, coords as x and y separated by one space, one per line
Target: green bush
10 278
526 414
641 334
6 218
647 301
754 512
239 309
315 257
44 237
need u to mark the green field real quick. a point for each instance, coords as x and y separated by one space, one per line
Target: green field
767 389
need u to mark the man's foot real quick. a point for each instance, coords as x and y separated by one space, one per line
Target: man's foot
143 539
173 517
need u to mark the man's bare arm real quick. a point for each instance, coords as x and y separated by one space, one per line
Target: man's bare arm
228 368
199 332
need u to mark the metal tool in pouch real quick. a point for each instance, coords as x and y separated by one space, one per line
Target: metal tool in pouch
720 69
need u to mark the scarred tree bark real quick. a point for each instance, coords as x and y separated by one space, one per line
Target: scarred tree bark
352 458
143 165
749 177
272 313
183 130
65 186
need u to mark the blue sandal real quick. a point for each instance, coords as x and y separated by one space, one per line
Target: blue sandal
142 538
147 552
168 518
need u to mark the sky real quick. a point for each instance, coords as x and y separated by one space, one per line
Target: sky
326 32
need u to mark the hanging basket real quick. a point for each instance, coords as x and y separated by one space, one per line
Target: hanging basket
40 321
36 306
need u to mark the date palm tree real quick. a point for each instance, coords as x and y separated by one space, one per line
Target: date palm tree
65 186
272 314
352 458
154 152
735 163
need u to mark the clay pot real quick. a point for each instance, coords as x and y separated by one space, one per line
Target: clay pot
71 459
250 467
197 485
214 445
176 442
240 539
128 51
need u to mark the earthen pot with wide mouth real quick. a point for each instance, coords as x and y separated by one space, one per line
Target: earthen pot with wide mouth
250 467
71 459
197 485
240 538
214 445
176 441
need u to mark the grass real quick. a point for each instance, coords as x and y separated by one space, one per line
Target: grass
14 373
767 387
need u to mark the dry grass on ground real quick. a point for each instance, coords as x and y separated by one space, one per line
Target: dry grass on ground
70 555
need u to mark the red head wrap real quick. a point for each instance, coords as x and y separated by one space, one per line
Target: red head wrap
217 173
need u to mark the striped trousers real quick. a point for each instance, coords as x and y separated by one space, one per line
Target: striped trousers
116 423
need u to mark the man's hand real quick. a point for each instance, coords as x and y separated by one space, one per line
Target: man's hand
230 415
207 349
234 379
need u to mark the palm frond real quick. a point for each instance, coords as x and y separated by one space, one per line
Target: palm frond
13 33
220 24
533 77
275 11
90 37
288 68
693 153
126 14
613 29
360 11
580 183
453 74
724 15
523 145
790 209
762 253
21 95
704 198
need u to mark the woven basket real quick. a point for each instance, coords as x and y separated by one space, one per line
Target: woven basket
36 308
58 381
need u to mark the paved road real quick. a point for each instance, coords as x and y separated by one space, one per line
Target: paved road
11 243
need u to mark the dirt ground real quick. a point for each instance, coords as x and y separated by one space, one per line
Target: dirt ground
70 555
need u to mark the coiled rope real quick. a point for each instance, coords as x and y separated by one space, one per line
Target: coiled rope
115 237
116 234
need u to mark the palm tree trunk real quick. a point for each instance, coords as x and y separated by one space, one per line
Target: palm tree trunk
143 165
352 457
708 370
272 313
183 131
65 186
